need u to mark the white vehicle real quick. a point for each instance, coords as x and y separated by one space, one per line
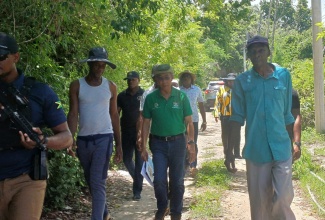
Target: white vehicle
210 93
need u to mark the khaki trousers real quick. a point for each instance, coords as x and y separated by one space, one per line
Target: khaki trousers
21 198
270 190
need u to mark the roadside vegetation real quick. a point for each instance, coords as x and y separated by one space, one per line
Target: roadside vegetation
206 37
210 183
309 169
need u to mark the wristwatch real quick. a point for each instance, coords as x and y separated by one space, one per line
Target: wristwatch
297 143
191 142
204 122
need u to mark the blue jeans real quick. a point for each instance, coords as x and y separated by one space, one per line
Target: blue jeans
94 153
129 147
169 154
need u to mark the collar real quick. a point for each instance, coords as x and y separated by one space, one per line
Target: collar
18 83
173 92
273 75
127 91
191 87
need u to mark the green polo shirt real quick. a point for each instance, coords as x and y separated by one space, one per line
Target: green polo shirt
167 116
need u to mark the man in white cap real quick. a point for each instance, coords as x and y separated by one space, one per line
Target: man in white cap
222 112
93 103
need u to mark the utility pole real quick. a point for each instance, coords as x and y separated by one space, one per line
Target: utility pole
268 19
318 67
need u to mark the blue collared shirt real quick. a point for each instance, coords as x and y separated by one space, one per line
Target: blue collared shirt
194 94
265 105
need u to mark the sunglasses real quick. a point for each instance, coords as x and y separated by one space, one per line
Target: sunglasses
3 57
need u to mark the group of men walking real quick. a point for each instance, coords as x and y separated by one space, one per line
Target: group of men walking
164 115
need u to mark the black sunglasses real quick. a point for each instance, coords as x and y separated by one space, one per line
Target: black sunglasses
3 57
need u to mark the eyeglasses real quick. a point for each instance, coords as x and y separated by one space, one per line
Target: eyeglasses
3 57
160 78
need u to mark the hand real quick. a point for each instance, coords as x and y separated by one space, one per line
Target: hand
296 153
118 154
71 149
216 119
192 152
27 142
139 143
144 154
203 126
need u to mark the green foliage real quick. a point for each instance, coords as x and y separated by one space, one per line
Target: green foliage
308 170
303 82
211 180
65 181
303 16
213 173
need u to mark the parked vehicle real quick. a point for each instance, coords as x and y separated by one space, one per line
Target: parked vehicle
210 93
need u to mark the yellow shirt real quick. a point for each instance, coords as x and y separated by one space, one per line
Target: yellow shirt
222 105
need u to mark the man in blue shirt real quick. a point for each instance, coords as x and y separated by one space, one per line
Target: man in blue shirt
21 192
262 97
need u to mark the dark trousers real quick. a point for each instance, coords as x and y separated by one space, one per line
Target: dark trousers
196 133
169 155
225 135
129 148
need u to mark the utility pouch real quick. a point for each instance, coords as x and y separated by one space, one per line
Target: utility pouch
39 170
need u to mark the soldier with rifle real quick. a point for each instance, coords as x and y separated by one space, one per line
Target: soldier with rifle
26 106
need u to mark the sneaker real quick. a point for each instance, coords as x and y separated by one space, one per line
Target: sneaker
238 157
175 217
136 197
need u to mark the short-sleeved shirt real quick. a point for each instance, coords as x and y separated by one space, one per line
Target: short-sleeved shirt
265 105
194 94
46 110
295 100
130 105
167 116
144 95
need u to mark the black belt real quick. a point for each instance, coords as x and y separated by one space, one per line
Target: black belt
167 138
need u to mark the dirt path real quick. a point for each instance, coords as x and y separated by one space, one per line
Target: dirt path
235 203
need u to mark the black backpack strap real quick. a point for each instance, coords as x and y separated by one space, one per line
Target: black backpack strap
27 85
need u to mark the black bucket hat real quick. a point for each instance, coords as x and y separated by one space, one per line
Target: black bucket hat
98 54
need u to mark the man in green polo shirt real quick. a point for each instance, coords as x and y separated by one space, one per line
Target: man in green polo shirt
169 112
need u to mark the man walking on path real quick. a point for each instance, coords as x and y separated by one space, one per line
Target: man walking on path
128 102
194 94
93 104
262 96
222 110
162 108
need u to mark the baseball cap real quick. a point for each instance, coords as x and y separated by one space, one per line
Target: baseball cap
8 44
98 54
162 68
257 40
132 75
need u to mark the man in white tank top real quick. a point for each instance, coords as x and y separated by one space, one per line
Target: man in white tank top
93 105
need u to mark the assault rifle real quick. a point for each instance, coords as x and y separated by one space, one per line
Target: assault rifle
23 124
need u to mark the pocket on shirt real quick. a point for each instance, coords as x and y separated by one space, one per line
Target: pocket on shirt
279 92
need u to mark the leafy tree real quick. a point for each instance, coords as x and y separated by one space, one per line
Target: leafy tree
303 16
